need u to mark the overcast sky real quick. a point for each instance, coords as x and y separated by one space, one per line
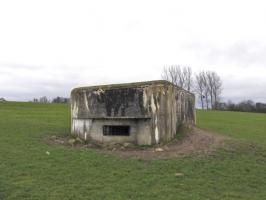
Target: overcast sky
48 47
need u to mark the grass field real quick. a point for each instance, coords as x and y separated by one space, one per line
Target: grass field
28 172
240 125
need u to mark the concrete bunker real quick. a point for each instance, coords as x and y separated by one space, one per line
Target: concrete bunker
143 113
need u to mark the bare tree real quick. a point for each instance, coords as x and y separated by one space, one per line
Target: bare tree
217 88
181 76
209 88
188 79
199 88
171 74
43 99
206 88
35 100
210 85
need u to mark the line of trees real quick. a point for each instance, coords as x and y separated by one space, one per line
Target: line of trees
243 106
206 84
44 99
2 99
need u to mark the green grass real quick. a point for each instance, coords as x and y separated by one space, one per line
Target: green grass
240 125
27 172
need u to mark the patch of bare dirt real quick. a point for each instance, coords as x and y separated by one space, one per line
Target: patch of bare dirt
197 142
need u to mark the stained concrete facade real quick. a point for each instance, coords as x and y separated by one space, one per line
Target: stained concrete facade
150 111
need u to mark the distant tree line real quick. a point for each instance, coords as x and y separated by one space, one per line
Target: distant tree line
206 84
2 99
243 106
44 99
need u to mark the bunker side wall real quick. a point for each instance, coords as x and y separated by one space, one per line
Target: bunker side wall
174 108
186 112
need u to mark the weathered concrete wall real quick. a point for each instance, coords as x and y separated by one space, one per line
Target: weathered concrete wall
124 102
91 129
153 110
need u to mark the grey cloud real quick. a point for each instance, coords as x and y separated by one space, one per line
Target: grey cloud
5 65
237 90
24 83
20 82
242 66
241 53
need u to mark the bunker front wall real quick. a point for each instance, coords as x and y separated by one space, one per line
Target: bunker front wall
153 112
